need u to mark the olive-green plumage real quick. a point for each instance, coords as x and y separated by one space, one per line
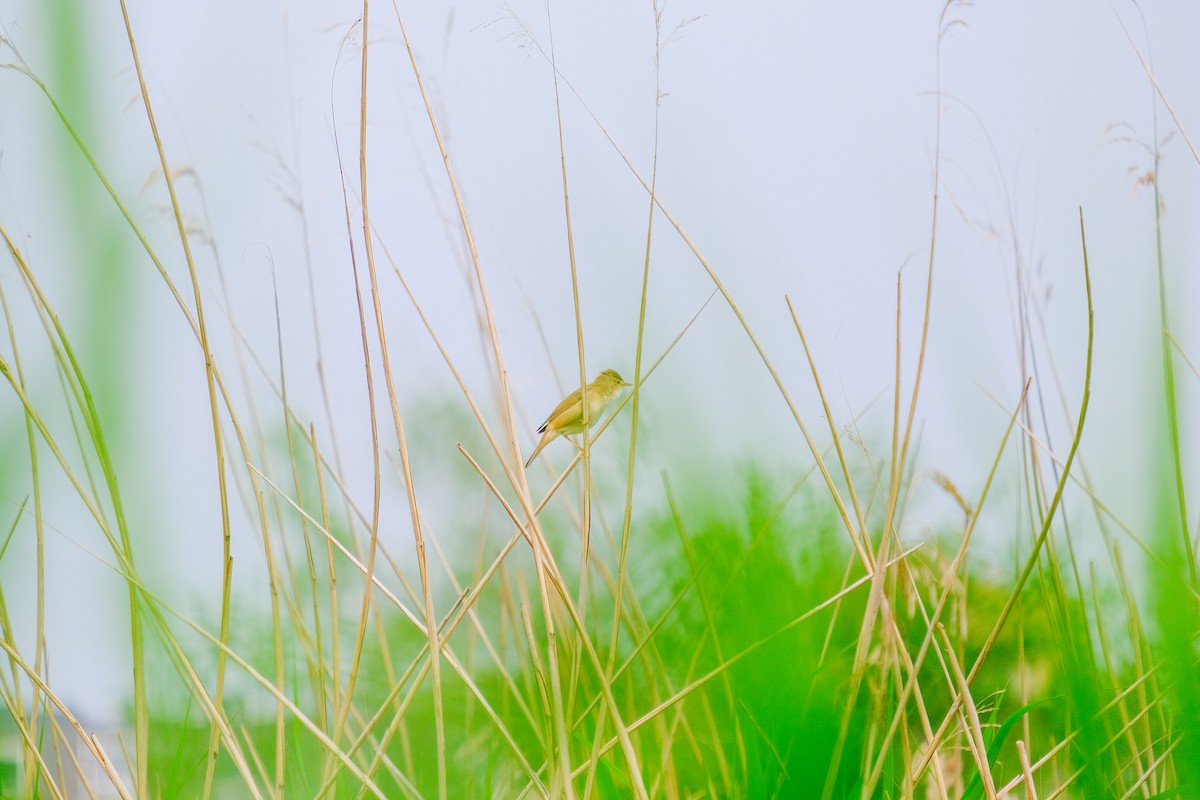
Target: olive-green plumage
567 417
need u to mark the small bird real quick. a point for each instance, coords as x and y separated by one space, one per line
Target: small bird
567 417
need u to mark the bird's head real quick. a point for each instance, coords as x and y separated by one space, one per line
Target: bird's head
609 380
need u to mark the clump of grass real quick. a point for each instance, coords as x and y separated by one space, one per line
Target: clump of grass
797 641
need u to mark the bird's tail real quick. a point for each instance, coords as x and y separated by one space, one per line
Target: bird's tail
545 440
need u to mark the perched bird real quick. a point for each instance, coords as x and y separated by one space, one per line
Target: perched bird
567 417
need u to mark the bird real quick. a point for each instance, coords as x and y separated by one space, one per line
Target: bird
568 418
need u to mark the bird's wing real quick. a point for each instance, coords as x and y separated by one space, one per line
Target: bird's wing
570 407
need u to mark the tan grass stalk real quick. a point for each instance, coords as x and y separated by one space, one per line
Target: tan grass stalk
142 712
1048 519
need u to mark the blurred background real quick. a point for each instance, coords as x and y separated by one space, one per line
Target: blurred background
796 147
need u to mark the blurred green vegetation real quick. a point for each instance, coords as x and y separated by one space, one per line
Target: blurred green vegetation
778 723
